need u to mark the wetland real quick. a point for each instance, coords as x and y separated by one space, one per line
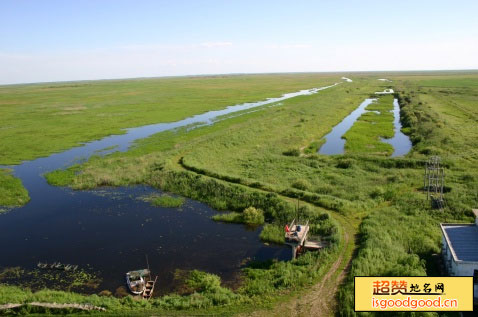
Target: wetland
95 204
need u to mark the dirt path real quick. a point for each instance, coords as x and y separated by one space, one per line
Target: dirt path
54 305
320 299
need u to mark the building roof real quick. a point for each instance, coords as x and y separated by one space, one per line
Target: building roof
462 240
475 211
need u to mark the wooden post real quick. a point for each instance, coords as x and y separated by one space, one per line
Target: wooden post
147 263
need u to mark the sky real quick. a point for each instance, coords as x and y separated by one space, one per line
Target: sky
62 40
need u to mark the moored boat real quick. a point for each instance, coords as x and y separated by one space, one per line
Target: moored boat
136 282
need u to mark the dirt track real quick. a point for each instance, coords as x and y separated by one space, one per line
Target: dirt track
320 299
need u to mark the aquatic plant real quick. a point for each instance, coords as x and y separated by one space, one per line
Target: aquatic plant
164 200
37 279
233 217
272 233
253 216
12 192
250 216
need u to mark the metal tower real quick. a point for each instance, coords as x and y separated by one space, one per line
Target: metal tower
434 181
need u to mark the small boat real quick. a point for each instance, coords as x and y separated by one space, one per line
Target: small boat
136 282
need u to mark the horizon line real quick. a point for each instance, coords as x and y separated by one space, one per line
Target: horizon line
241 74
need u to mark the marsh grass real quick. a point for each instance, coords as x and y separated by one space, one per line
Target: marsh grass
12 192
439 114
164 200
314 146
62 177
37 279
366 133
53 118
272 233
253 216
240 162
250 216
40 119
232 217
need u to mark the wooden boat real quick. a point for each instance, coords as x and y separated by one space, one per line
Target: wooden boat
136 282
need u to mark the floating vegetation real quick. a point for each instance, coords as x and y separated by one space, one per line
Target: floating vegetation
253 216
272 233
78 280
232 217
4 209
163 200
108 193
10 272
106 150
250 216
57 266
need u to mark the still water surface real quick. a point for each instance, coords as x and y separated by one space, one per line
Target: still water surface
401 143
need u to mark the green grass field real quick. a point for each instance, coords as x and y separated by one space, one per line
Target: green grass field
261 159
40 119
365 134
12 192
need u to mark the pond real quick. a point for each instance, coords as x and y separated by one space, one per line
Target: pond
108 232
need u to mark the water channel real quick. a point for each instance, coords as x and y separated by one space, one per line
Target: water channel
109 231
335 144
